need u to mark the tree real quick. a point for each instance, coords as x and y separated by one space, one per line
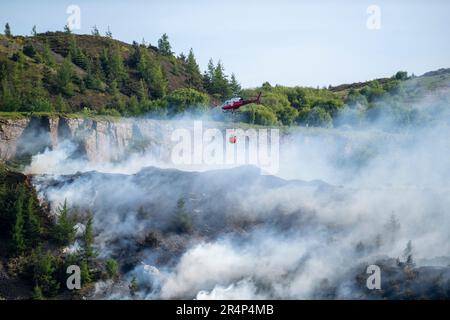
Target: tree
37 293
164 46
29 50
142 91
235 87
33 31
33 225
152 73
133 106
182 57
43 268
85 273
77 55
95 31
112 268
408 254
318 117
193 70
108 33
61 105
401 75
134 286
18 239
187 99
47 54
64 230
393 225
64 77
67 29
182 220
8 30
219 82
208 76
88 240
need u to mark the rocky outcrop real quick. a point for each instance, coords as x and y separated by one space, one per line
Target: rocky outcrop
98 140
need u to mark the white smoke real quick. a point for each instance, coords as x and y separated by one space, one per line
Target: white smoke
258 237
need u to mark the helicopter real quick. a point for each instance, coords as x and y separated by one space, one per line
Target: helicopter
235 103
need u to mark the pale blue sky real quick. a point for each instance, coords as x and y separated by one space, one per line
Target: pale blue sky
288 42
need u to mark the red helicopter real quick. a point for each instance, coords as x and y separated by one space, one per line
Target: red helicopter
235 103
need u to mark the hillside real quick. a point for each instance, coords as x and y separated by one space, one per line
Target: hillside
97 75
67 72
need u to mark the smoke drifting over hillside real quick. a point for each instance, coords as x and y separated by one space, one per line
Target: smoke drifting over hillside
248 235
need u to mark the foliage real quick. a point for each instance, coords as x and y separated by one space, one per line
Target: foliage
112 268
8 30
44 267
182 100
182 222
164 45
18 238
88 241
64 230
193 71
37 293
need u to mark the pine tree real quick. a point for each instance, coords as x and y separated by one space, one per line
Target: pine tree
64 77
37 293
77 55
44 267
18 239
158 82
112 268
142 92
208 76
134 286
408 254
116 67
164 46
8 30
64 230
95 31
192 68
235 87
182 220
211 68
67 29
85 273
32 223
152 73
219 83
33 31
88 241
182 57
109 33
49 59
61 105
133 106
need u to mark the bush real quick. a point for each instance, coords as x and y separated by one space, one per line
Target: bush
182 100
182 222
64 231
112 268
259 114
43 267
318 117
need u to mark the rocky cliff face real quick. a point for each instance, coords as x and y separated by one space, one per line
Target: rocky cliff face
98 140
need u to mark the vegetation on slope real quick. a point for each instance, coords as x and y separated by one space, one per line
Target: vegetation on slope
32 244
93 74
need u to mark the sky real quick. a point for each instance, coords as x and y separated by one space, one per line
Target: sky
286 42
